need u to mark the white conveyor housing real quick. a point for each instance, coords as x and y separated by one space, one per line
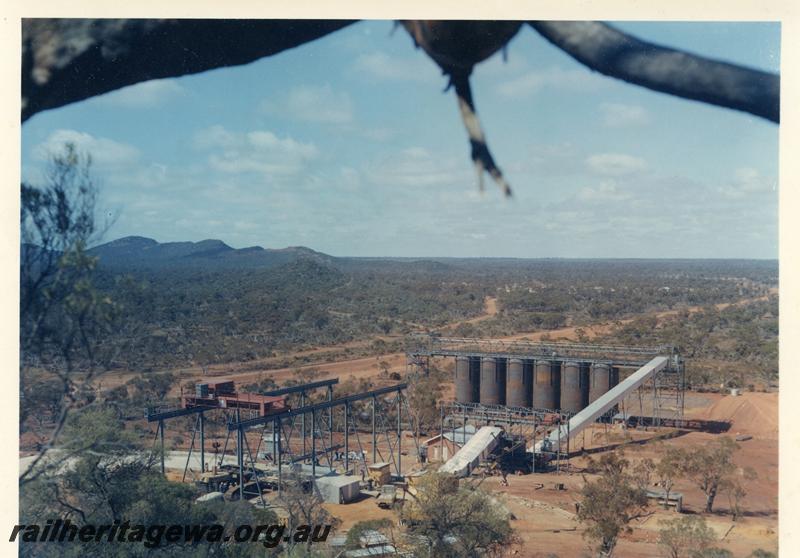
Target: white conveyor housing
603 403
478 447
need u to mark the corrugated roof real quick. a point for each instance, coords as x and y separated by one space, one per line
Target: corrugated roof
460 435
383 550
340 480
483 440
372 537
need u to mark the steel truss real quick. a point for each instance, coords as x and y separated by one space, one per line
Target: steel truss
421 347
530 424
312 433
664 393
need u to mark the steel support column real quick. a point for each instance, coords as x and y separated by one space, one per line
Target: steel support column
276 449
303 418
330 417
399 436
346 437
314 446
203 442
161 429
374 437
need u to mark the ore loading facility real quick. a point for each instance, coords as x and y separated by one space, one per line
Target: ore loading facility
547 392
516 409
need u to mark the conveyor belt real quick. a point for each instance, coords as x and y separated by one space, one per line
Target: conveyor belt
605 402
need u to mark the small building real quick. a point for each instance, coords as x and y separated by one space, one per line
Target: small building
373 543
372 537
454 440
380 473
338 489
372 552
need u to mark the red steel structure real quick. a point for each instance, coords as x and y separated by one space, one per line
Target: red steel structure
223 395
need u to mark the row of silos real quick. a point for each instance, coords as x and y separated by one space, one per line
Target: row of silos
542 384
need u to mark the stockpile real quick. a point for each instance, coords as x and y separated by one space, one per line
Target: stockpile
750 413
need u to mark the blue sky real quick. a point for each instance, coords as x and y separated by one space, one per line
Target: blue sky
349 146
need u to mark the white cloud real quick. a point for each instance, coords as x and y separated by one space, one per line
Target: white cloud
606 191
144 95
103 151
618 115
258 151
615 164
747 181
556 78
313 104
417 167
213 137
379 65
267 141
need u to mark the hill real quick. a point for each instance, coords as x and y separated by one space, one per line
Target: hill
137 252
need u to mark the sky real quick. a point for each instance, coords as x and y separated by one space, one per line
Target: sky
350 146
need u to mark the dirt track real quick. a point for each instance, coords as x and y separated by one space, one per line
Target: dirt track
338 365
368 367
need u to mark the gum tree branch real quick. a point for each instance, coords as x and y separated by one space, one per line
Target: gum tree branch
615 54
68 60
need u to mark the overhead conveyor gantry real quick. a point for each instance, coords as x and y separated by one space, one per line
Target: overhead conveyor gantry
603 404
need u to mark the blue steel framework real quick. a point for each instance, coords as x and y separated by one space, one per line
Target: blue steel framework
285 425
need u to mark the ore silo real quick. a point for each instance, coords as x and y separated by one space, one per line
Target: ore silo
546 384
463 380
518 390
489 386
572 384
599 381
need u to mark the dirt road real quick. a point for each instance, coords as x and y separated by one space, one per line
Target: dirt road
334 361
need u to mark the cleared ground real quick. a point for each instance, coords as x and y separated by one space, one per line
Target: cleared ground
544 518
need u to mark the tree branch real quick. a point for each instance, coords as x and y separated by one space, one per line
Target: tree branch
481 156
613 53
68 60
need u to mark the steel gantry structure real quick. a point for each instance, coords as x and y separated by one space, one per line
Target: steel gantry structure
304 434
666 388
160 414
281 427
523 422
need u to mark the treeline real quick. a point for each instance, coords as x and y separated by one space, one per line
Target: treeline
736 346
180 316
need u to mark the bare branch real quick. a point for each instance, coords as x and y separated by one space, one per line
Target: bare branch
481 156
613 53
68 60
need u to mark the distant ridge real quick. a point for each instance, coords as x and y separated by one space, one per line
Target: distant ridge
133 252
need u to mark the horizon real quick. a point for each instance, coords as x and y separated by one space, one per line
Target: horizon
387 257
